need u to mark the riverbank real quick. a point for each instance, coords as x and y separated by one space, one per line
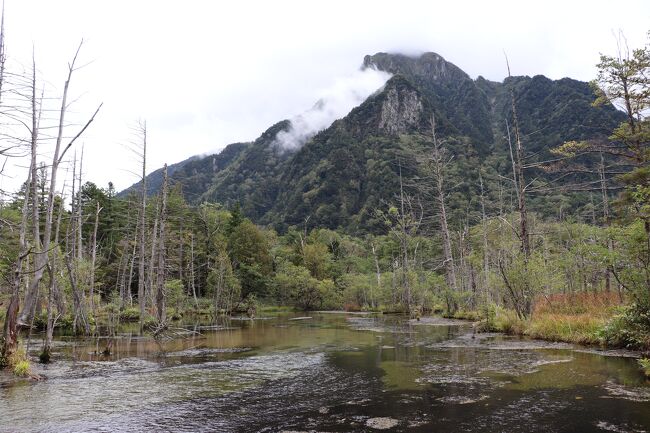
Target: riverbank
587 319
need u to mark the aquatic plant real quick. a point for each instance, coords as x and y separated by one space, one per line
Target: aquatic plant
645 366
22 369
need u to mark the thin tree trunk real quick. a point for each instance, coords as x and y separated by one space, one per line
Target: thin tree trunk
39 262
152 263
404 244
377 270
486 267
93 260
605 197
193 282
79 242
41 259
450 272
10 330
520 180
128 286
160 295
142 299
53 292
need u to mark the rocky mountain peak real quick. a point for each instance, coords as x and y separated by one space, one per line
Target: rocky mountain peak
429 66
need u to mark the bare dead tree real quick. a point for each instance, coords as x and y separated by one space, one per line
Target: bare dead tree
42 257
192 277
160 295
484 221
10 330
54 291
437 164
93 260
79 216
142 299
520 182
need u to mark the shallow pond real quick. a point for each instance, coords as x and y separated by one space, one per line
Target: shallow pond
328 373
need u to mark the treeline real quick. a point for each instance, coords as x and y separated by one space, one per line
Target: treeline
217 260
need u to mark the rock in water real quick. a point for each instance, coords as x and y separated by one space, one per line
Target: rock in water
382 423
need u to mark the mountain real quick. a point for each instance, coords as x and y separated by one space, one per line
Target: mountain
343 175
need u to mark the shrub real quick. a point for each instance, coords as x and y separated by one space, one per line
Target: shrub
21 369
629 329
130 314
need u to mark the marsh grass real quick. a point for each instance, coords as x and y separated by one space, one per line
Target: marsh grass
573 318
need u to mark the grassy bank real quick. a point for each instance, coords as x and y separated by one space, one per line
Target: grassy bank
586 318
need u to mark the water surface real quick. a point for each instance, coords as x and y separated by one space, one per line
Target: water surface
328 373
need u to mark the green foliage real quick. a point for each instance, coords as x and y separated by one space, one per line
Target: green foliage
631 260
524 278
22 368
629 329
222 285
176 297
130 314
296 285
249 252
644 363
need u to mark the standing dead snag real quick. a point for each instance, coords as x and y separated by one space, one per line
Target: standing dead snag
93 260
160 295
437 162
142 298
486 267
520 182
10 331
41 259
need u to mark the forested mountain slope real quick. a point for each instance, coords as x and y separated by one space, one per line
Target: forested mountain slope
345 174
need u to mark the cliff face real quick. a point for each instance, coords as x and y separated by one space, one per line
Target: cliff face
345 174
401 110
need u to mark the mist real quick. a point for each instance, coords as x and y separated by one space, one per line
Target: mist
334 103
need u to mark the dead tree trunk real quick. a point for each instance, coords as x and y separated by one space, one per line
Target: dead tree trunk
152 264
160 295
41 259
142 299
404 244
93 260
53 292
10 331
439 179
606 221
486 268
193 280
39 264
79 243
378 272
520 180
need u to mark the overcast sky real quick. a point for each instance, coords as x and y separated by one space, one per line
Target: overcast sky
205 73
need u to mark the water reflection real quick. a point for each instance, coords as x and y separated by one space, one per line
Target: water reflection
330 372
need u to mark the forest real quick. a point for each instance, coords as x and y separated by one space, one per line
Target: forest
567 260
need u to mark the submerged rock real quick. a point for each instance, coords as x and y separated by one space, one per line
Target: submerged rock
382 423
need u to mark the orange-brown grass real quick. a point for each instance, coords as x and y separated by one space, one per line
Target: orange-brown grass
571 328
574 318
577 303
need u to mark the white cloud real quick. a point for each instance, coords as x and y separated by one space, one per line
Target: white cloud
334 103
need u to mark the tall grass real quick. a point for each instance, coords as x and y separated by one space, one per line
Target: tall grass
573 318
